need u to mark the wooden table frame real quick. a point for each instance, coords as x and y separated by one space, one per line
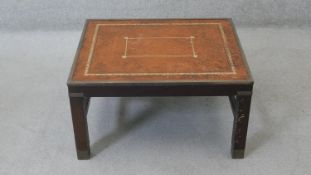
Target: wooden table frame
239 93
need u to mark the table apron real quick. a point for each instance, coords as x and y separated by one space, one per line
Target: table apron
184 90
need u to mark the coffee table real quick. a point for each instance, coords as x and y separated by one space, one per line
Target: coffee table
160 57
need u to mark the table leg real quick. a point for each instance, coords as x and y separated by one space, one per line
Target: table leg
79 107
241 108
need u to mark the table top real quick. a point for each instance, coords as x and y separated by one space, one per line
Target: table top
159 50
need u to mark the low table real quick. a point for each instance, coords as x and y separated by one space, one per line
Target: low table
160 57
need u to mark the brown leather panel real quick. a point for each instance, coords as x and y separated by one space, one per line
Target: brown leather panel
159 50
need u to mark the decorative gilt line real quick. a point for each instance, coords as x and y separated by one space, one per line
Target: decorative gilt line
192 47
159 56
154 55
125 50
86 72
226 47
155 24
159 74
91 51
160 37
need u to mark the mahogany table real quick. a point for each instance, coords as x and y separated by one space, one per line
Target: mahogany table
160 57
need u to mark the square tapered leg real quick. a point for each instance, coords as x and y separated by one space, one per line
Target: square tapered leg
241 108
79 106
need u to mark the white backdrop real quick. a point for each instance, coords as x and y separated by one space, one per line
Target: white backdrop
70 14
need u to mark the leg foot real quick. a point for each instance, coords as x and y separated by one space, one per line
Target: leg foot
83 155
237 154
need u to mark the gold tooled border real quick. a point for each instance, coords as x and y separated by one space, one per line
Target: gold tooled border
220 27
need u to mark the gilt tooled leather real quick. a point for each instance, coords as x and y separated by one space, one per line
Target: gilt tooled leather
159 50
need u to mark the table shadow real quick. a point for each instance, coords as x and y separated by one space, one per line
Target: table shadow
269 129
124 126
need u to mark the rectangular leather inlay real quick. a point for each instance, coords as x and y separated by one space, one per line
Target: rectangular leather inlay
157 50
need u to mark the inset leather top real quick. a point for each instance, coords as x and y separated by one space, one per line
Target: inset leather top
159 50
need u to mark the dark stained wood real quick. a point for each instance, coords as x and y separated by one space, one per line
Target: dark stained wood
160 57
79 107
241 109
161 89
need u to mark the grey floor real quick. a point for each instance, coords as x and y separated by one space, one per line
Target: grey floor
186 135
